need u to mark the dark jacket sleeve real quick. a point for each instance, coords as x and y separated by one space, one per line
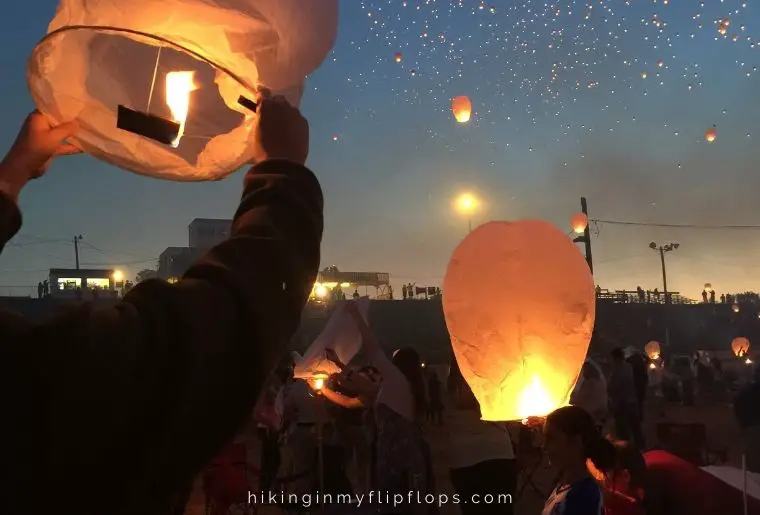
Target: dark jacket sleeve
122 406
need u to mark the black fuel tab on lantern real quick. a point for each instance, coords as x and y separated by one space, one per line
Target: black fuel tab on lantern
248 104
147 125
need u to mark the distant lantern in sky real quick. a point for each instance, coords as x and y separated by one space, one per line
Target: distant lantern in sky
711 135
643 75
520 308
736 308
579 222
462 108
740 346
660 63
398 56
708 287
652 350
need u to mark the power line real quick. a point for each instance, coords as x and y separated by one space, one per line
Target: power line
675 226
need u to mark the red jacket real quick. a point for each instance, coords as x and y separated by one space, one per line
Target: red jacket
685 489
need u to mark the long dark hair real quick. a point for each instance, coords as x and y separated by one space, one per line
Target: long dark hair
575 421
408 361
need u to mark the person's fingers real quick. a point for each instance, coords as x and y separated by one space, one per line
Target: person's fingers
64 131
67 149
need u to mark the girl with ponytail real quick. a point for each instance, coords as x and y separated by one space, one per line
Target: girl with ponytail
571 440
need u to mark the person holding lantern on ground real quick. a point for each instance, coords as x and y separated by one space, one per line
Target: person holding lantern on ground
402 458
132 400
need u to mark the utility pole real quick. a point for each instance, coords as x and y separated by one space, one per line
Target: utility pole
586 238
662 249
77 239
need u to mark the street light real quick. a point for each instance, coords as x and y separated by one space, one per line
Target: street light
662 249
466 204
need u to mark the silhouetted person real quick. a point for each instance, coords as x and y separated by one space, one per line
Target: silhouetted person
390 292
640 293
640 379
356 294
722 298
624 403
40 290
404 291
46 288
130 401
704 296
712 296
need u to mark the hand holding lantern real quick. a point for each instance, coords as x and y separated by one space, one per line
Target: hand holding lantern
36 145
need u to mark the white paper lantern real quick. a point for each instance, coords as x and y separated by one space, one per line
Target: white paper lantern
189 63
519 304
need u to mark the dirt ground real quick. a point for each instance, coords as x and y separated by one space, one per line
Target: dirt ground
717 415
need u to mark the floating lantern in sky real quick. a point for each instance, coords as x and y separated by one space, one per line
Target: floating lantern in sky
652 350
462 109
579 222
736 308
170 92
740 346
519 307
711 134
660 63
398 56
708 287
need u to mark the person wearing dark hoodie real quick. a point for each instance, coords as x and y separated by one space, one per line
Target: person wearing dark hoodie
113 410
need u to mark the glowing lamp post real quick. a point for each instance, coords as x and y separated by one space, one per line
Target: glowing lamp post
520 308
467 204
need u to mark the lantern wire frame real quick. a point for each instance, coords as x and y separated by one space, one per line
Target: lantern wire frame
163 42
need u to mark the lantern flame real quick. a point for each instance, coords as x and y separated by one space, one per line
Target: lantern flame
534 400
318 381
179 85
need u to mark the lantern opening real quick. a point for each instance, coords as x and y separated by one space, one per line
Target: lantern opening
179 85
534 400
147 125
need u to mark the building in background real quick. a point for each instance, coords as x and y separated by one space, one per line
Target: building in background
83 283
203 234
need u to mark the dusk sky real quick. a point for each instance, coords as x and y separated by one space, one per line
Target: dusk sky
608 99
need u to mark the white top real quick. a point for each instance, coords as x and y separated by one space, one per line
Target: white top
395 390
473 441
300 401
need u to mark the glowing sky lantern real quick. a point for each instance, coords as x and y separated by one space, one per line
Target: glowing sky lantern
519 307
579 222
735 308
462 109
711 134
398 57
708 287
126 70
652 350
740 346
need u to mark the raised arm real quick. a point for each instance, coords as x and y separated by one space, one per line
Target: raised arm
130 401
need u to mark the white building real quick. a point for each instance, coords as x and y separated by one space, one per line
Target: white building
203 233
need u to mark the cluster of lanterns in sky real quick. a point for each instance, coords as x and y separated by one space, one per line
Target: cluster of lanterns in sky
461 108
